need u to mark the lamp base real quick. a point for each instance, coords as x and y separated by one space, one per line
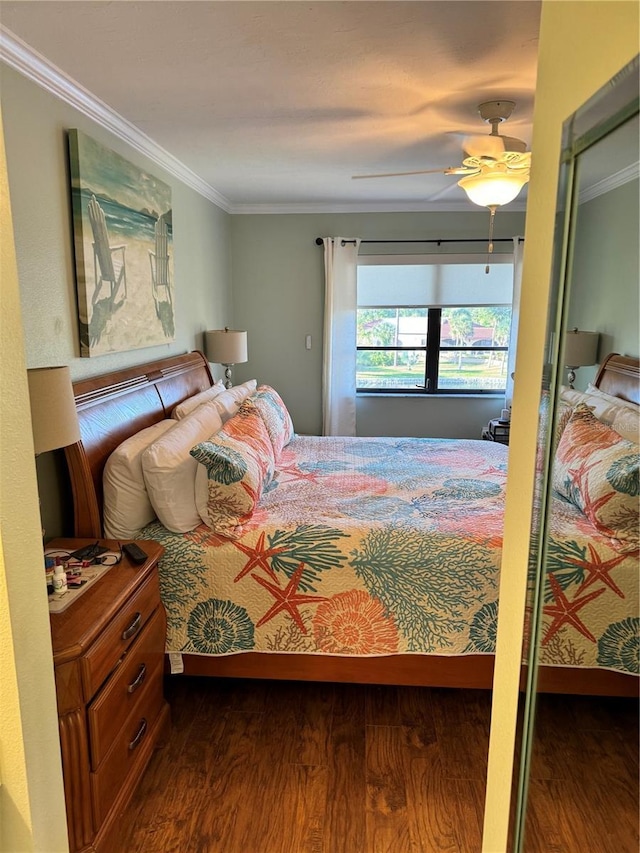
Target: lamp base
571 376
227 375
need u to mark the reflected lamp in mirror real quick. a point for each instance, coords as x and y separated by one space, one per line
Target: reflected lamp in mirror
54 419
580 350
226 347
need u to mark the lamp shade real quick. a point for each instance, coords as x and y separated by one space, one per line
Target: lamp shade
54 419
494 188
580 348
225 346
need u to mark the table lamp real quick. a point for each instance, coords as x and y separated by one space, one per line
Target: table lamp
226 347
54 418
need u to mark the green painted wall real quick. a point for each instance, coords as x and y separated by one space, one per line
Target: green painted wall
604 288
278 286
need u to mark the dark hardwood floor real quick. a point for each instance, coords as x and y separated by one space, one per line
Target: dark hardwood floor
583 785
281 767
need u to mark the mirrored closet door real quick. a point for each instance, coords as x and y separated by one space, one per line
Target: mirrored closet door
578 775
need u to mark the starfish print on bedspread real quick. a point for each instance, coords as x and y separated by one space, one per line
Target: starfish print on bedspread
492 471
599 570
564 610
288 599
296 473
258 557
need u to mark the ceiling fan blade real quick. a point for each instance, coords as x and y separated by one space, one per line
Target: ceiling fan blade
401 174
484 145
511 143
462 170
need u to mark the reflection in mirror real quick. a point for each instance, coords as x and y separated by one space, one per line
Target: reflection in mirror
578 779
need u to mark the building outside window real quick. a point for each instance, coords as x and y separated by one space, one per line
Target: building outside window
433 324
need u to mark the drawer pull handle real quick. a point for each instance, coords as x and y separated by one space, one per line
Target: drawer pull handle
133 628
139 734
137 681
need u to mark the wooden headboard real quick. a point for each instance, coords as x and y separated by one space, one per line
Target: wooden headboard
619 375
114 407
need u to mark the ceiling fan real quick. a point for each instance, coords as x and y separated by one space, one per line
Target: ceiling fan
486 153
496 166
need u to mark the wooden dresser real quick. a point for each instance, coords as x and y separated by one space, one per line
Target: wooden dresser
108 651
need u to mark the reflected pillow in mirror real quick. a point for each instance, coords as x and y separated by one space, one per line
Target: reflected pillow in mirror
609 398
603 406
627 424
598 470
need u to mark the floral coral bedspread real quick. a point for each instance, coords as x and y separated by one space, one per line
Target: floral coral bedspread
360 546
377 546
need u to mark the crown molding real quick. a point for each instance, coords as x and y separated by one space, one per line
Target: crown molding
37 68
611 182
373 207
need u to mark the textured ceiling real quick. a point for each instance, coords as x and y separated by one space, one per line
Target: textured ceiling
280 103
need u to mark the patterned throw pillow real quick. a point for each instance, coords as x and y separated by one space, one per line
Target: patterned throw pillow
238 462
598 470
276 417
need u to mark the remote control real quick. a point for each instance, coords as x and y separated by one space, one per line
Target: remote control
134 552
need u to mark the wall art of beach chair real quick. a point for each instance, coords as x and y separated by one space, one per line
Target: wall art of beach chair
108 259
159 261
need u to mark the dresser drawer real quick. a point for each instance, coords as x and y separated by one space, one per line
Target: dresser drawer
131 743
120 633
127 686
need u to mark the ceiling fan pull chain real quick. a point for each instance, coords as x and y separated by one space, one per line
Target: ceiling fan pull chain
493 209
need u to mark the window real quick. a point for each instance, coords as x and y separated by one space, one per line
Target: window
433 325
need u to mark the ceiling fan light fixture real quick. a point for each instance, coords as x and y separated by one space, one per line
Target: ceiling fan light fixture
493 189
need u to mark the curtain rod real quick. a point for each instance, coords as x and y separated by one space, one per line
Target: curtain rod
319 240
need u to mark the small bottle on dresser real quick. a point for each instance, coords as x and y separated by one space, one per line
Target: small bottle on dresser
59 579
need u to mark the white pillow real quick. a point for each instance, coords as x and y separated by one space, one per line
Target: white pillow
127 507
170 472
603 406
192 403
230 400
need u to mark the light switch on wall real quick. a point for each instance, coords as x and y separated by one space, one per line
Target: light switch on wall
307 342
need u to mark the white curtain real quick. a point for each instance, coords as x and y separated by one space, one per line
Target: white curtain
339 355
515 318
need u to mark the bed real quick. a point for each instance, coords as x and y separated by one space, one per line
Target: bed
316 586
